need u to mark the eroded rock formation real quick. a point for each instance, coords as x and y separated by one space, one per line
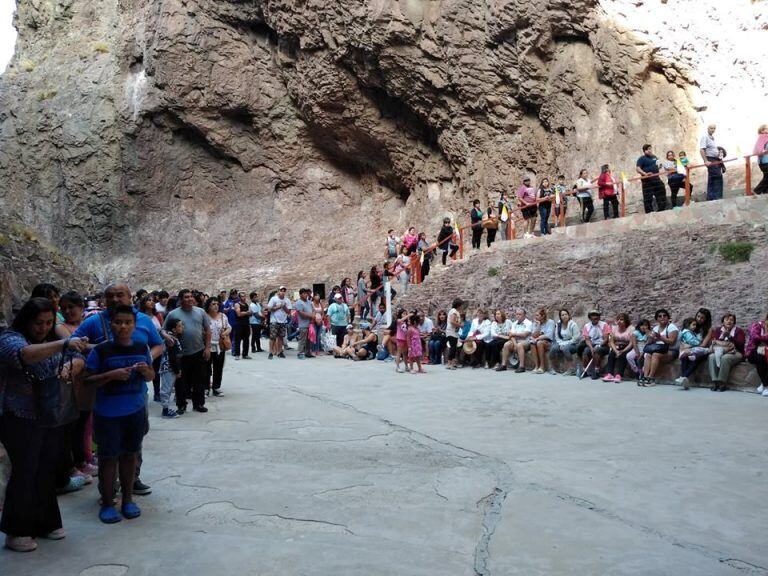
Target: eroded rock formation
242 141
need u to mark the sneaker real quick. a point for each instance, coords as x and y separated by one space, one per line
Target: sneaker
20 543
570 372
519 370
608 378
156 398
180 410
579 371
86 477
237 357
201 409
75 483
765 393
270 356
89 469
683 381
282 355
760 389
57 534
538 371
617 378
169 413
679 380
141 489
553 372
499 368
300 356
218 393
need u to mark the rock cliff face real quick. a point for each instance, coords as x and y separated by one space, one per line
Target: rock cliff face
245 141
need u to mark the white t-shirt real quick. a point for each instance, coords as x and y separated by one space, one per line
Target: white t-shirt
670 328
521 327
279 316
454 315
426 326
581 183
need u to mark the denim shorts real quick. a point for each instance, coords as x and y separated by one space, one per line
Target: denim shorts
116 435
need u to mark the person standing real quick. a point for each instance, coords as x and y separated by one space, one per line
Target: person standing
279 306
526 199
444 241
675 176
338 312
505 215
256 321
545 205
761 147
242 326
196 351
710 154
30 352
584 196
653 188
606 189
425 254
491 225
220 328
476 221
306 313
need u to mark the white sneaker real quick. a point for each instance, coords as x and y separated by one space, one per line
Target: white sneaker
679 380
20 543
765 393
760 389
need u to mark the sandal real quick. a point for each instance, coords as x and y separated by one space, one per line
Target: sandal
130 510
109 515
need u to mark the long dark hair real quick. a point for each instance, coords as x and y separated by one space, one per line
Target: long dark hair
31 310
375 278
44 290
707 325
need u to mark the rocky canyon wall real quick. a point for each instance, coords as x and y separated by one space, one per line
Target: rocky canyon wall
241 142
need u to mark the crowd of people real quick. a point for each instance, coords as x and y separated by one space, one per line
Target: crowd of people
76 370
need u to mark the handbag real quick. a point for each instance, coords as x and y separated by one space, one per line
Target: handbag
225 342
656 348
54 397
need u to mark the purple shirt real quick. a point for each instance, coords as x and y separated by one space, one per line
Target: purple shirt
758 336
526 194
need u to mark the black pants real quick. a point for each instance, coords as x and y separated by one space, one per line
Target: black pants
425 267
762 187
494 351
675 184
610 202
762 366
587 208
30 506
688 366
339 332
453 344
453 248
491 236
256 338
156 379
478 356
653 188
215 367
194 377
477 236
242 337
616 365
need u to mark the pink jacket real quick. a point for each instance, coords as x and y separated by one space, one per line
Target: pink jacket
758 336
760 148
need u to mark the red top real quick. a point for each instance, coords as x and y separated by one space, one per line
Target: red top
606 186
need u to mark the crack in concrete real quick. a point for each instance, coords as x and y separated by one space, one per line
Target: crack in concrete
492 510
197 486
748 567
342 489
265 515
228 420
320 441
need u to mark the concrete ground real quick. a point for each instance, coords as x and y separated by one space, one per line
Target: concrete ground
327 467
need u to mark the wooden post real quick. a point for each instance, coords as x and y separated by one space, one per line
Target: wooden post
687 185
748 176
622 197
461 243
563 201
416 276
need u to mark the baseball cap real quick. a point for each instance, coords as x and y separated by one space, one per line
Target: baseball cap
350 327
337 296
282 288
593 313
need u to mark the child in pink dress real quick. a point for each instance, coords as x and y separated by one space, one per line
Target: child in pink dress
414 345
402 341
